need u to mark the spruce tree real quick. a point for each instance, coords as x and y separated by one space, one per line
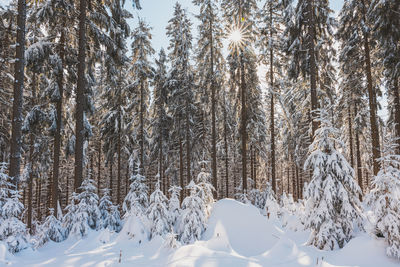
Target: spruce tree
157 212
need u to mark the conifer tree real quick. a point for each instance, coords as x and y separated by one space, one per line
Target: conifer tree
332 208
157 213
192 221
174 208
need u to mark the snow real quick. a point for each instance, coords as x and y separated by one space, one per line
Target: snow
237 235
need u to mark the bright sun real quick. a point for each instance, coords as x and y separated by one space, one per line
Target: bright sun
235 35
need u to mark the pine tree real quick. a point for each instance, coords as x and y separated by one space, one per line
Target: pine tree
174 209
333 208
12 230
180 82
385 201
160 119
158 214
205 190
136 201
109 213
142 71
192 221
51 229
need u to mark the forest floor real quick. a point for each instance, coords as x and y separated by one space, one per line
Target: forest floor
237 235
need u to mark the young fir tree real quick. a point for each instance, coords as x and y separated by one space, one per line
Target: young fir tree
384 199
174 208
192 221
333 208
271 207
157 212
12 230
109 213
206 190
136 201
52 229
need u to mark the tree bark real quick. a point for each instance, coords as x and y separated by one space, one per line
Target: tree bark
396 100
99 168
243 125
358 156
313 70
350 122
181 169
80 95
57 136
272 104
213 111
16 133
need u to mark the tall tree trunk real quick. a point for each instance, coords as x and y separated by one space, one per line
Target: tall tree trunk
111 178
181 168
350 122
243 125
16 133
272 104
80 96
396 101
119 164
376 151
188 149
251 164
313 70
358 156
160 168
213 111
99 168
226 151
39 200
57 136
142 127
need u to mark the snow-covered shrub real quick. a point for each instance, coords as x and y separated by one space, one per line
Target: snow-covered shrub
109 213
158 213
12 230
174 209
69 217
257 198
288 208
170 241
192 221
51 229
333 208
384 199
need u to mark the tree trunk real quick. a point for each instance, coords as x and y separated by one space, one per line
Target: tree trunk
244 125
213 111
226 151
272 104
396 100
350 122
57 136
358 156
119 164
188 171
181 169
313 70
141 141
111 178
99 168
16 133
80 96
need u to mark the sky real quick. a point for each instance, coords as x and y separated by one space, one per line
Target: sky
158 12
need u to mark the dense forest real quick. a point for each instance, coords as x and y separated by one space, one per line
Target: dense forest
273 100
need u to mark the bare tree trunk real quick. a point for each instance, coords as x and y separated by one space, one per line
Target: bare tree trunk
188 169
396 101
358 156
119 167
226 152
99 168
57 136
313 70
16 133
111 178
80 97
181 168
243 125
272 104
350 122
213 111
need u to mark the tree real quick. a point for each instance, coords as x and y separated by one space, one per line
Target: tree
180 80
205 190
157 213
142 71
332 207
51 229
16 134
192 221
385 201
109 213
12 230
136 201
210 65
174 209
160 118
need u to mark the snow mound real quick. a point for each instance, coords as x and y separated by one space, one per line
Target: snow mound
241 228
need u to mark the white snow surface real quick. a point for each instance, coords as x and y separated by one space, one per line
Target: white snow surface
237 235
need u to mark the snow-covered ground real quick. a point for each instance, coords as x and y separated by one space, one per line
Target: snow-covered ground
237 235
